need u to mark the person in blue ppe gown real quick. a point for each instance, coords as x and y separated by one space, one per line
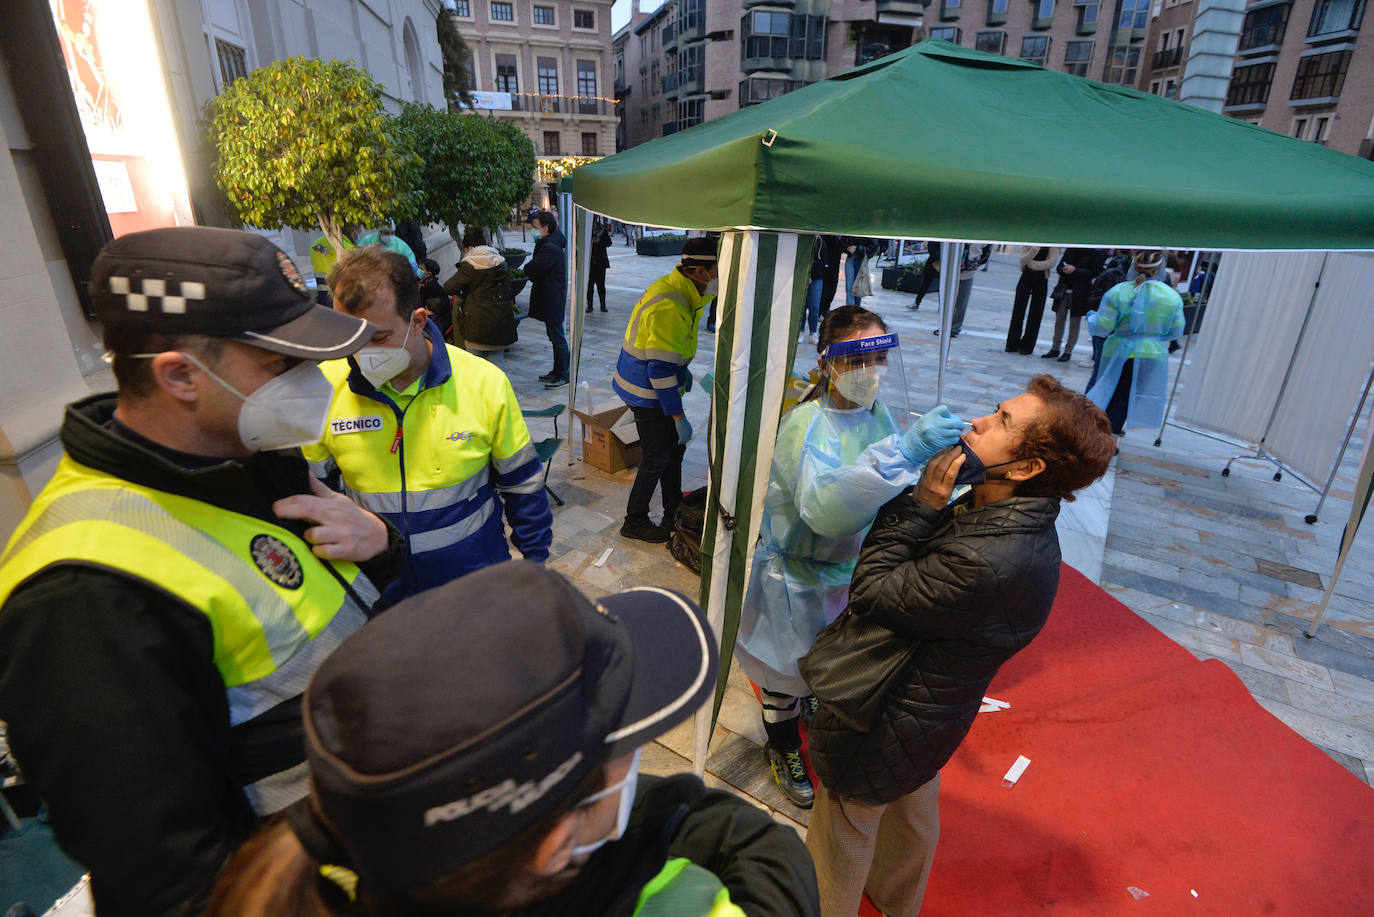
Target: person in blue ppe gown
839 457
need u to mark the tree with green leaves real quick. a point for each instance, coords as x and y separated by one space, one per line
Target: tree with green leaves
476 167
304 142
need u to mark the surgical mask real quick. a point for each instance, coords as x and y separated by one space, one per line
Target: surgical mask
626 789
380 365
973 471
287 411
860 385
712 286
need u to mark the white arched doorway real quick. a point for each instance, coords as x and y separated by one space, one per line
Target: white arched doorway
415 73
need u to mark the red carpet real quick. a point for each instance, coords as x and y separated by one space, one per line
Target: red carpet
1149 769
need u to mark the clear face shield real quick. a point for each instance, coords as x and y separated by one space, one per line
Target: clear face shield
866 371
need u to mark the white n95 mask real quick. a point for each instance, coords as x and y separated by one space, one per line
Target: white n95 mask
379 365
860 385
287 411
626 789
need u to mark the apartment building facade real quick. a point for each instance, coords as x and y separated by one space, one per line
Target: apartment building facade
692 60
545 64
1304 68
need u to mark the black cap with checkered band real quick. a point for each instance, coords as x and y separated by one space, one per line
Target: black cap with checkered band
222 283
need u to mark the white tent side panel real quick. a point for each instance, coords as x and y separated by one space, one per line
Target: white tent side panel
1249 331
1331 368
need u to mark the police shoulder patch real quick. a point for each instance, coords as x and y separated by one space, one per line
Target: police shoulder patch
276 561
293 276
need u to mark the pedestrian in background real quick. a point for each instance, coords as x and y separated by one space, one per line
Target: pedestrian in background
811 317
547 271
483 307
175 583
651 376
857 250
970 263
830 257
1029 303
1077 270
929 273
433 297
1113 272
600 261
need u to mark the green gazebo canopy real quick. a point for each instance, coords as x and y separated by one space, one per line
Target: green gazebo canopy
941 142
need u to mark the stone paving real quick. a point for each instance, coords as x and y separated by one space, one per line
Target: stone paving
1225 566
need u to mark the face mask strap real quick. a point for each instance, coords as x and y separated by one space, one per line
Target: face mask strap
199 365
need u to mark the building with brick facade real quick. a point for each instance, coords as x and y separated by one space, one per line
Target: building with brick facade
692 60
546 64
1300 68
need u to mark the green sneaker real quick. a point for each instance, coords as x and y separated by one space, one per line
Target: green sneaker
790 775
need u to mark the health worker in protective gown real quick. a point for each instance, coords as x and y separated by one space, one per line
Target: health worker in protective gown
839 457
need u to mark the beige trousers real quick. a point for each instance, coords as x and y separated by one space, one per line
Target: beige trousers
886 850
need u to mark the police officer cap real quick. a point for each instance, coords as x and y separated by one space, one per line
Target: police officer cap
457 720
222 283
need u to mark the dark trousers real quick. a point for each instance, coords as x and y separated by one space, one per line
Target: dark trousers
1121 398
1026 311
559 340
597 281
928 275
661 464
1097 361
830 282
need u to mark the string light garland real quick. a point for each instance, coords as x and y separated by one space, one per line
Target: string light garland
553 168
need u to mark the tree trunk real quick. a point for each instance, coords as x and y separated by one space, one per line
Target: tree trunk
330 227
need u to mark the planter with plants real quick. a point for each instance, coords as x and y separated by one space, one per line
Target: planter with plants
660 245
907 278
517 282
514 257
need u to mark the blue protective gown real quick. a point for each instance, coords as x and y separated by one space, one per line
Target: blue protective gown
832 471
1138 324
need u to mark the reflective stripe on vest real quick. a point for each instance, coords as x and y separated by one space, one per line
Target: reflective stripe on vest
684 889
274 609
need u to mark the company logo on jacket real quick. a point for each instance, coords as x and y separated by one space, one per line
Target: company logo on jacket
464 436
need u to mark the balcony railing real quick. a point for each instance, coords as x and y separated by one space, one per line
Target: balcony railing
1262 37
670 83
543 103
669 127
1169 57
668 33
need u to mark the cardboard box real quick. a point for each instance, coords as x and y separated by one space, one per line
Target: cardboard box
609 438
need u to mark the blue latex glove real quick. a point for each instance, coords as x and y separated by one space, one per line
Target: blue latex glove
937 429
684 431
687 386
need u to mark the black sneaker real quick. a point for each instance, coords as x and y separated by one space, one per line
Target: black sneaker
1049 354
556 382
643 530
809 705
548 377
790 775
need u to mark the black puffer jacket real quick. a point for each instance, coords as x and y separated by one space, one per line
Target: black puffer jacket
973 586
484 312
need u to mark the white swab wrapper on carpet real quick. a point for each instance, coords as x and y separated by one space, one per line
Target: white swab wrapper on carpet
1017 769
992 704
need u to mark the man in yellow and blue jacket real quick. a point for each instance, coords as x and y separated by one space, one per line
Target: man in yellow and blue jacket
651 375
427 436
